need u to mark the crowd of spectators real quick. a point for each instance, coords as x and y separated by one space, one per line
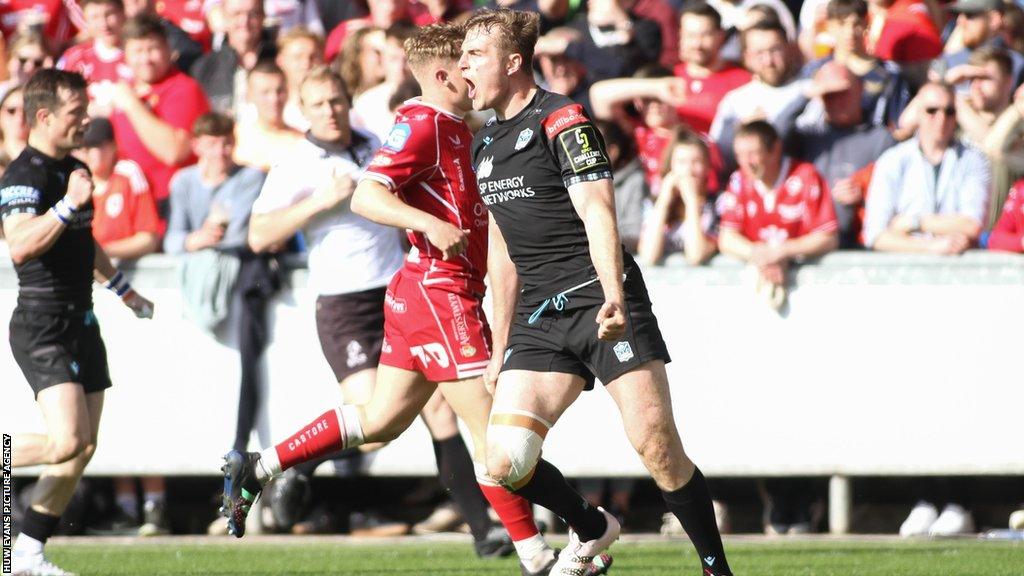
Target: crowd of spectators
771 131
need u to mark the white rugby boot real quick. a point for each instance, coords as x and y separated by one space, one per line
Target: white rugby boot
577 557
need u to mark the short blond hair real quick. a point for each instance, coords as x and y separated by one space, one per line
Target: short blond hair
297 33
515 31
435 42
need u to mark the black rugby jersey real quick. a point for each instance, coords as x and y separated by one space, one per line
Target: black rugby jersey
524 166
61 278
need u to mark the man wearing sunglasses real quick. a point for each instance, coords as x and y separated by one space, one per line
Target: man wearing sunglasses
928 194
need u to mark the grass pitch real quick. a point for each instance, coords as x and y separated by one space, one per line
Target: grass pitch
647 557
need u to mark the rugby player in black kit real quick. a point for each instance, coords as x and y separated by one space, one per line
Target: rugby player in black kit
46 209
582 311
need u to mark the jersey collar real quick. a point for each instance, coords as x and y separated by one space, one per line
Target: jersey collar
528 109
417 101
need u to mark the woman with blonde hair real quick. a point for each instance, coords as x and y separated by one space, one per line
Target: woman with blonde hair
683 217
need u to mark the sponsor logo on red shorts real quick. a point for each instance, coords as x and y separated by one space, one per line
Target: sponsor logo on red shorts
461 327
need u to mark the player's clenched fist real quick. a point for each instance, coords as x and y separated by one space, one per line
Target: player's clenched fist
79 188
140 306
611 321
491 373
450 240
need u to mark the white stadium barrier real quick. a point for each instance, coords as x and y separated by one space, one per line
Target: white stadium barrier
882 365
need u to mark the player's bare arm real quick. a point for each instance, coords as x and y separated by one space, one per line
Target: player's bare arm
106 274
30 236
373 201
504 283
595 204
278 226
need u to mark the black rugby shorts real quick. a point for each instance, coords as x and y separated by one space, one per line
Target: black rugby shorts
54 348
351 330
566 340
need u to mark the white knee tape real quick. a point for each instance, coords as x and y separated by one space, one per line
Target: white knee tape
521 436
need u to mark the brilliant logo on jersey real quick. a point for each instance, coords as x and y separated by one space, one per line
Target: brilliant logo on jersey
398 136
524 138
564 117
485 168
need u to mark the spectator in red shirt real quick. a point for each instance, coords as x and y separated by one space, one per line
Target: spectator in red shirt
775 210
706 78
1008 234
184 49
124 219
153 115
100 60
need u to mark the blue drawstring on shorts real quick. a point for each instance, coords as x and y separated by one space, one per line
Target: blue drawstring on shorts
559 302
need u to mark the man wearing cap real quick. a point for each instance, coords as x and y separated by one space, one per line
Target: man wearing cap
980 23
848 143
125 222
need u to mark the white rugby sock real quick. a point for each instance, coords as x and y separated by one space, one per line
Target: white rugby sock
349 418
534 552
26 545
268 466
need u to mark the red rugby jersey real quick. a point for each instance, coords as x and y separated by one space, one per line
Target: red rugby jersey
799 204
426 161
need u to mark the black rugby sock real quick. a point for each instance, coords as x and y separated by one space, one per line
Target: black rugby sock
455 471
38 525
549 489
691 504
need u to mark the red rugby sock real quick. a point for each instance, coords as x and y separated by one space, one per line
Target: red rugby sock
322 436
